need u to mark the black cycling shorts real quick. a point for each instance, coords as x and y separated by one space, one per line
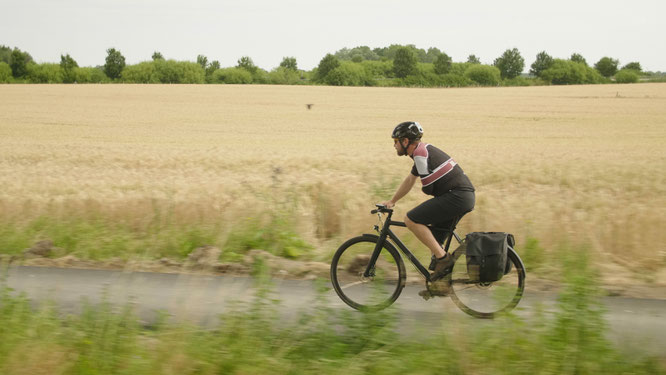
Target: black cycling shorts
440 211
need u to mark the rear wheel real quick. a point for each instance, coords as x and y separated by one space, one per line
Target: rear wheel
486 300
375 290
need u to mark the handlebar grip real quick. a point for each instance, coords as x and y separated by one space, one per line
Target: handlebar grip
374 211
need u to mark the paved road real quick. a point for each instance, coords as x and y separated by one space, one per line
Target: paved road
635 323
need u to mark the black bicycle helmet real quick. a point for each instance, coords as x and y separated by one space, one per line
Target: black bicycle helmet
410 129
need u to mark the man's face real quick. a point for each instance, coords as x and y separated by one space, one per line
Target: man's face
398 143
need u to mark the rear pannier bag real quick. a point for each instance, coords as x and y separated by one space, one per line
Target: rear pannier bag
487 255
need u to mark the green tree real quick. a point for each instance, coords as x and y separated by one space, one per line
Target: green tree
115 63
635 66
19 63
5 54
442 63
157 56
202 60
404 62
472 59
510 64
289 63
328 63
543 61
5 72
577 57
68 66
432 54
607 66
246 63
210 69
356 53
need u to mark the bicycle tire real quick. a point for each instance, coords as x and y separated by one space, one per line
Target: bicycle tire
487 300
367 293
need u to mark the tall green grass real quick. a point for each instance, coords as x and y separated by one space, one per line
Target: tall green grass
254 338
99 239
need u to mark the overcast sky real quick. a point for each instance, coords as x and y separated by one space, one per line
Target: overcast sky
268 30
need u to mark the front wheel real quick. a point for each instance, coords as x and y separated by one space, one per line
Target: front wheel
486 300
364 288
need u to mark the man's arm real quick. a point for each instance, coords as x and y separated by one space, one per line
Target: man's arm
404 188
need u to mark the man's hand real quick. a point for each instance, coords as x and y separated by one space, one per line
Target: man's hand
388 204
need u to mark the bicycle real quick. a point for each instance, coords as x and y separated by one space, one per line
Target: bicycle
368 273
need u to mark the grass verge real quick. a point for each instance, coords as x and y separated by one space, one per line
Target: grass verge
252 338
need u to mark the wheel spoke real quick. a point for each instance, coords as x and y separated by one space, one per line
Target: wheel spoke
485 300
353 284
350 262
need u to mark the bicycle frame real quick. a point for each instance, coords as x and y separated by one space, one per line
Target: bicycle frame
387 232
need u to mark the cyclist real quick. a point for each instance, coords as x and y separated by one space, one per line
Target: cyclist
441 177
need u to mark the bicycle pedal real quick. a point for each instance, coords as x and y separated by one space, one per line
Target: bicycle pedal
426 295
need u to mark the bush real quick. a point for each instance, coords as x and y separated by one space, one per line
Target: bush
523 81
377 69
259 76
232 76
567 72
284 76
454 80
423 76
90 75
45 73
626 76
5 72
484 75
139 73
164 71
348 74
460 68
171 71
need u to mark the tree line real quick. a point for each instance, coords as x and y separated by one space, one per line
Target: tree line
396 65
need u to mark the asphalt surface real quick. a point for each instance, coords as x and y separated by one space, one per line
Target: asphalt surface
635 324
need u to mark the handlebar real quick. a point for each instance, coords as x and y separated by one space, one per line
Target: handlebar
381 208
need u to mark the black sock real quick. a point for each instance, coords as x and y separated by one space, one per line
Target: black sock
445 255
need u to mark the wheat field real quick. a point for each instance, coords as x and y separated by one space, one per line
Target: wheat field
574 165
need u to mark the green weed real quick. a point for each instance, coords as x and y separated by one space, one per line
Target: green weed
254 337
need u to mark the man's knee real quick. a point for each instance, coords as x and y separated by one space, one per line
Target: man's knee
409 222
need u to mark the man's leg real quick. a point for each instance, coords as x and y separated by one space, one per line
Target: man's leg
424 235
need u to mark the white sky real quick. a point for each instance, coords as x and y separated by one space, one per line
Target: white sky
268 30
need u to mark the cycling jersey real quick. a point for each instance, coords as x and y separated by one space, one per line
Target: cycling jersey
438 171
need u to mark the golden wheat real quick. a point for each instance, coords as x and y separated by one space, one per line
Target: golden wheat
578 164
